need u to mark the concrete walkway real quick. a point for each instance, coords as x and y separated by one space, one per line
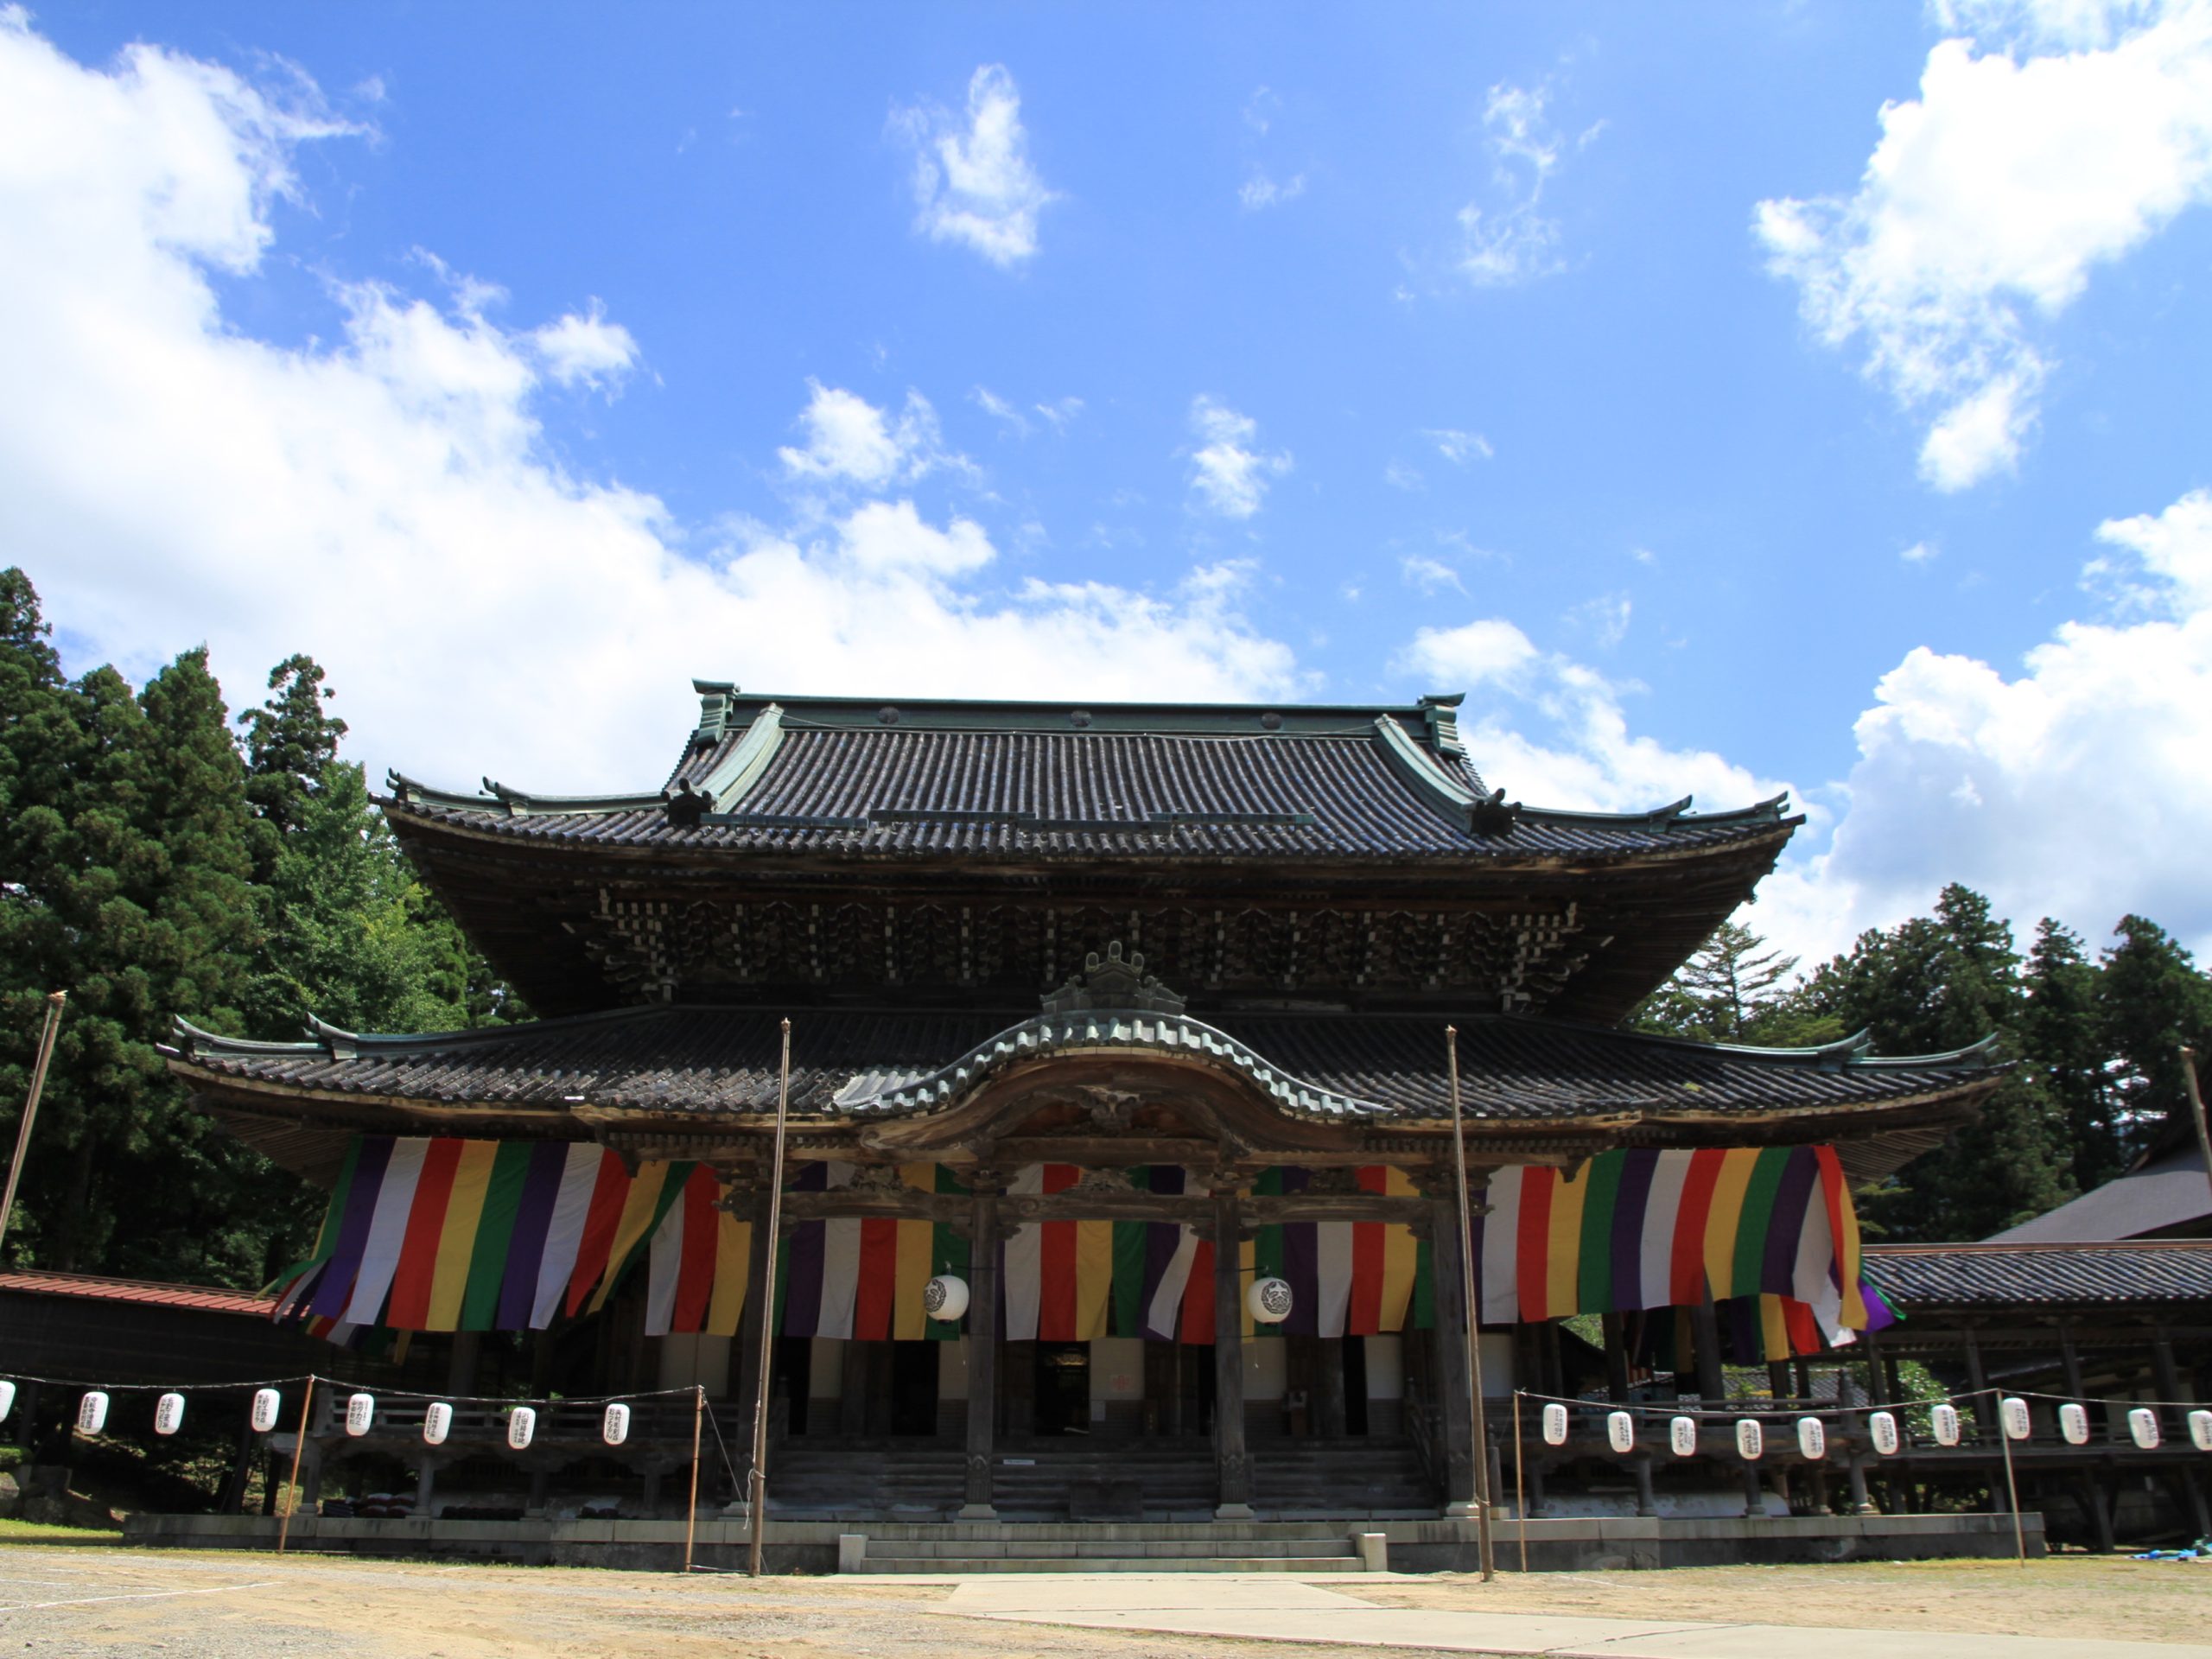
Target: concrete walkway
1266 1609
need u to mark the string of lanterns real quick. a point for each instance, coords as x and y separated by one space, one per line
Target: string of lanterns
2013 1415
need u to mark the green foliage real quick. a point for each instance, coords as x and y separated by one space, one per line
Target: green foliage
151 869
1735 990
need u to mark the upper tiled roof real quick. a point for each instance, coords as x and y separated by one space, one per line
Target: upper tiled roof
2053 1275
847 1064
2164 1195
865 778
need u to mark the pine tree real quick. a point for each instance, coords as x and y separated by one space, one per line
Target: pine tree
2061 1036
1736 990
1927 986
2151 998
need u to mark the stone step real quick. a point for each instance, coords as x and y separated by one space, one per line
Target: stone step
1164 1549
1305 1566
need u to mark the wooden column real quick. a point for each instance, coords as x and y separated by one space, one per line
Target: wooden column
1614 1329
1705 1332
2070 1357
1329 1387
982 1346
1457 1440
1978 1379
1232 1468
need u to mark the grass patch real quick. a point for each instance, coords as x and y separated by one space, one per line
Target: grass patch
35 1532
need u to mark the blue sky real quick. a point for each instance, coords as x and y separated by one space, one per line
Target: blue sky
1729 398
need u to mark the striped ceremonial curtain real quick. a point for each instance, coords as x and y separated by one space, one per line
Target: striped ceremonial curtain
1346 1278
1637 1229
863 1278
425 1234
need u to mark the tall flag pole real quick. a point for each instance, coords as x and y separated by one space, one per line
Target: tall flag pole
299 1445
1473 1312
53 1002
757 1497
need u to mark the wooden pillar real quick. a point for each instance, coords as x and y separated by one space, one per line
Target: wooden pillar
1705 1331
1232 1468
2175 1423
1613 1328
2070 1357
853 1391
1456 1407
1878 1384
1985 1414
2092 1501
1777 1380
460 1363
982 1346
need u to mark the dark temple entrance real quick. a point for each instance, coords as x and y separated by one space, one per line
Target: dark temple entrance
1063 1403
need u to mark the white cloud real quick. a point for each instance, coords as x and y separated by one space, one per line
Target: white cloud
849 440
2077 788
973 183
1431 575
1399 476
1990 199
1459 448
1510 241
1919 553
1000 410
1230 475
1260 191
586 349
1582 753
1059 413
1604 618
384 499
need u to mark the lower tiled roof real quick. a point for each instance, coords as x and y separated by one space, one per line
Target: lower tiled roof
2049 1275
202 1298
1335 1065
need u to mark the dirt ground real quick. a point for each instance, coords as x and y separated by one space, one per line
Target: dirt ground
112 1601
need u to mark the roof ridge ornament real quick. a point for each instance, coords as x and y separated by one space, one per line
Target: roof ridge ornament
1113 982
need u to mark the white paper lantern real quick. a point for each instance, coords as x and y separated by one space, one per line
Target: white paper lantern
1812 1438
2200 1429
1269 1300
1882 1429
944 1297
1750 1439
1620 1431
169 1414
614 1427
360 1414
91 1412
7 1398
2143 1427
1682 1436
1944 1419
437 1423
1555 1424
521 1427
267 1404
2013 1412
2074 1423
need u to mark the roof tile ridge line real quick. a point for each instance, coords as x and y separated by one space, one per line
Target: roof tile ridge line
1853 1050
744 761
1246 1059
499 799
325 1036
1424 775
199 1036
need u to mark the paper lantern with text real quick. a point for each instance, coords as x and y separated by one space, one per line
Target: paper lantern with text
267 1404
1943 1418
521 1427
1750 1439
1812 1438
1682 1436
169 1414
945 1298
1882 1429
1620 1431
437 1422
1555 1424
614 1424
2013 1412
91 1412
2143 1427
360 1414
2074 1423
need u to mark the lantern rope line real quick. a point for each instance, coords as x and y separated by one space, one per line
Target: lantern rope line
1669 1408
381 1392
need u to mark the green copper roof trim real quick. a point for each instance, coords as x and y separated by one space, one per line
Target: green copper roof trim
500 801
1422 773
739 770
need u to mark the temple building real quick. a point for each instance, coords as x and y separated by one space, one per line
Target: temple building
1120 1179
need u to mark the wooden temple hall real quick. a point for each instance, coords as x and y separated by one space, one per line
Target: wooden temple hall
1119 1188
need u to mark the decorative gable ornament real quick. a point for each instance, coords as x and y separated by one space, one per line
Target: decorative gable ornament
1113 982
1270 1300
945 1298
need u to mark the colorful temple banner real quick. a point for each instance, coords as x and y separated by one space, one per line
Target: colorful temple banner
442 1234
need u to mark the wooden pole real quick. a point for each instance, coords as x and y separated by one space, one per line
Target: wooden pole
757 1479
2012 1486
53 1003
299 1445
691 1510
1472 1309
2187 1078
1520 1491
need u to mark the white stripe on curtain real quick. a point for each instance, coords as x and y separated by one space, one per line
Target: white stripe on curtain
571 1205
664 1268
1501 1291
1656 1248
1024 1263
841 1265
387 1230
1332 1276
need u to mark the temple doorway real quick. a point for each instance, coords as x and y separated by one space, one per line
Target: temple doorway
1063 1397
913 1379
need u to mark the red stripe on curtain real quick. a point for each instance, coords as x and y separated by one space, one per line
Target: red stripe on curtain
878 1289
600 1221
426 1225
695 1282
1686 1270
1532 1251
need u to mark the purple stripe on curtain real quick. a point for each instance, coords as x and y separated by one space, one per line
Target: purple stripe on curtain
336 1289
1161 1239
540 1186
802 1289
1638 1165
1801 1179
1301 1264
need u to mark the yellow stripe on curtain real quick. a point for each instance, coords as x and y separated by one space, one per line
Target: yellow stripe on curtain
909 1322
733 1267
471 1179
